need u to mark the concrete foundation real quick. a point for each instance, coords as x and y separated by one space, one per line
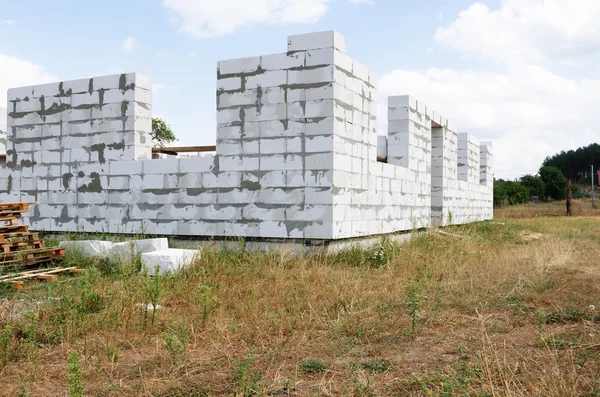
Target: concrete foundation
296 156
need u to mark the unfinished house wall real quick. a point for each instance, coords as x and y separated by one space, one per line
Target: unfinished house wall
295 156
446 164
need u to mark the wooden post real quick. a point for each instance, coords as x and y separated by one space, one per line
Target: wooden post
569 196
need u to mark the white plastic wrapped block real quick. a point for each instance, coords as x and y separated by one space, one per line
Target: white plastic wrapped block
129 249
168 261
93 248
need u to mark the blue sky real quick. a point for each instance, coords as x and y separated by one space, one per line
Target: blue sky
501 70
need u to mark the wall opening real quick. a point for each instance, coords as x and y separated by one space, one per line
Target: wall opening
437 174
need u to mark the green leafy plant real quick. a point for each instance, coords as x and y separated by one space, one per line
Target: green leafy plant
414 298
376 366
248 381
5 344
112 352
206 299
153 292
313 367
176 339
76 388
161 132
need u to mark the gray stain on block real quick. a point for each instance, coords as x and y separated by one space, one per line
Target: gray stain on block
94 186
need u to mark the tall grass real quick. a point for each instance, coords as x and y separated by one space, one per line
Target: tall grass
434 316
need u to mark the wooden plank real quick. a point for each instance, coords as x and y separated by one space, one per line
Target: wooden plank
51 250
15 206
184 149
27 272
16 285
39 275
4 236
14 228
13 247
28 263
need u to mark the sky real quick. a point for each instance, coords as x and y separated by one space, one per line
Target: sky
524 74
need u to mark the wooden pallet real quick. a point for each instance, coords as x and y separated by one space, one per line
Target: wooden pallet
16 280
19 246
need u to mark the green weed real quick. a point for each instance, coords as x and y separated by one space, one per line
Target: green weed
313 367
76 388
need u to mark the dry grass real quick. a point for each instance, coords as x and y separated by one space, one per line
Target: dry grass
581 207
496 314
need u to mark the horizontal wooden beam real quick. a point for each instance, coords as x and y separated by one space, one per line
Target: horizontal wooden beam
184 149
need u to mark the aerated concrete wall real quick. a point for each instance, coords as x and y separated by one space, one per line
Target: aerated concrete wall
296 155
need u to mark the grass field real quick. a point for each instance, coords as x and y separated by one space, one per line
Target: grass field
503 308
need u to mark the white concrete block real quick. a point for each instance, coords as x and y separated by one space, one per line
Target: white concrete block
140 80
196 164
31 105
20 93
282 61
161 166
229 84
92 248
106 82
240 65
85 99
310 76
271 78
130 249
311 41
323 56
168 261
76 86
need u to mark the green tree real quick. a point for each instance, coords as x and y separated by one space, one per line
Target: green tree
510 193
535 184
161 132
575 164
555 182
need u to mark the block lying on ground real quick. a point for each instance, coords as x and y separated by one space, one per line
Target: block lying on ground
129 249
93 248
168 261
108 249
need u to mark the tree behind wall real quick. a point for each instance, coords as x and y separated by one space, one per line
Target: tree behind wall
161 133
555 182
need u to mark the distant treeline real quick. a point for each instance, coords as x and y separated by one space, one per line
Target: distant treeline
576 164
551 180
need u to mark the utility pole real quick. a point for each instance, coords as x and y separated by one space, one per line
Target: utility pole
593 202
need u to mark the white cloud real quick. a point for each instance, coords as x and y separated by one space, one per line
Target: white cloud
526 30
7 22
191 54
16 72
528 111
203 19
128 45
362 1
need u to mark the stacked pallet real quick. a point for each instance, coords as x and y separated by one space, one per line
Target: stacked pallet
18 246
